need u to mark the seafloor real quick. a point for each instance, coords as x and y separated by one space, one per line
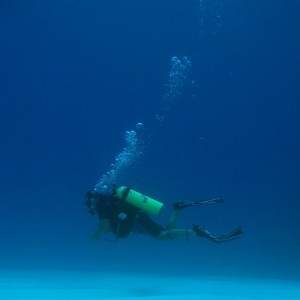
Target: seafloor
91 285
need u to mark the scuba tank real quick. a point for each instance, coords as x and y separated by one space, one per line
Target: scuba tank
138 200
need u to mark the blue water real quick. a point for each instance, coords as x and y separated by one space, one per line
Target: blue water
76 75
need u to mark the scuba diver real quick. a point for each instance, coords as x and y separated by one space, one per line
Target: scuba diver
124 211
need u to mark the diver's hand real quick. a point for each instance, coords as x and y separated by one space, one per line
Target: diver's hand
103 228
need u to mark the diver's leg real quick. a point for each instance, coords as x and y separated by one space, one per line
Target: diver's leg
173 219
173 234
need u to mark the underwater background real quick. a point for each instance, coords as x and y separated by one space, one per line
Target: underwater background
76 75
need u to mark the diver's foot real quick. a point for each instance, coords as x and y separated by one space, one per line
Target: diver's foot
202 232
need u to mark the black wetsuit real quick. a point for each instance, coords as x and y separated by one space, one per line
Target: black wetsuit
124 218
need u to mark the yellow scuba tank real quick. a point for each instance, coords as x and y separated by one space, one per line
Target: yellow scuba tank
139 200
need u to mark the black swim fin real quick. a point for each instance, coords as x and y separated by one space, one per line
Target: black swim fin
229 236
183 204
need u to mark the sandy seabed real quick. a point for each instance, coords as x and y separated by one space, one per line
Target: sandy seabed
91 285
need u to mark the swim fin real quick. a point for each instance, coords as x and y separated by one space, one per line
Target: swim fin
229 236
183 204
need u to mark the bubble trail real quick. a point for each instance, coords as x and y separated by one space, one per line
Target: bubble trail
128 156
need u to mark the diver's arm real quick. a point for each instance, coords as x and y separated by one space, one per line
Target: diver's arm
103 228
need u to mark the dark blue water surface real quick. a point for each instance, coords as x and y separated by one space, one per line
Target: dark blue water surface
75 75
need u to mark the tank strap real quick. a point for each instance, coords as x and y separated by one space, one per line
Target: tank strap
125 193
